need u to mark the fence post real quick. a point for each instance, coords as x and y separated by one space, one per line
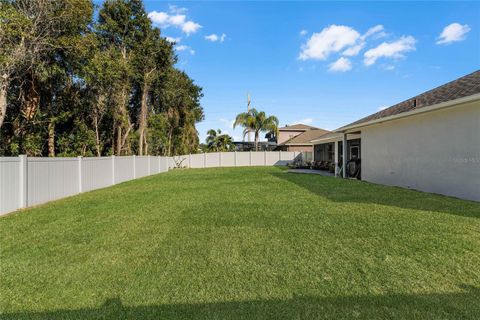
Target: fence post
134 168
265 157
250 158
113 170
189 160
279 155
149 167
204 160
23 181
220 159
235 158
79 162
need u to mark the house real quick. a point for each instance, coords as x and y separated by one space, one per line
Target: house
430 142
298 137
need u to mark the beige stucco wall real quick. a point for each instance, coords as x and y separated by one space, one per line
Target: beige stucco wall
286 135
435 152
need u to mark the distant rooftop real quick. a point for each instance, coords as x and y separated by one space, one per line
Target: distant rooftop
299 126
306 137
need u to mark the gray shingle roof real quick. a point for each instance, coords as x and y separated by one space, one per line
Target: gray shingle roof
306 137
462 87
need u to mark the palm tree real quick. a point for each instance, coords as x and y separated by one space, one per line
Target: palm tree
256 122
216 141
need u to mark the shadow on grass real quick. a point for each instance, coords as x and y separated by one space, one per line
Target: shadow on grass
339 190
462 305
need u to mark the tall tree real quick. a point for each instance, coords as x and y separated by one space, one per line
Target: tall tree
256 122
152 59
122 25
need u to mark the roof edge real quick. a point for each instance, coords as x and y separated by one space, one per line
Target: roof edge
298 129
438 106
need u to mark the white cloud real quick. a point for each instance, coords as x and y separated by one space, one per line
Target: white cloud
353 51
395 49
452 33
185 48
173 40
303 32
176 9
376 32
341 65
160 18
331 39
190 27
175 17
213 37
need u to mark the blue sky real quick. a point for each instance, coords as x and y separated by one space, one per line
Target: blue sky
323 64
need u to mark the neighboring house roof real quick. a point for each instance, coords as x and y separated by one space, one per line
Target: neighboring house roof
329 136
462 87
297 127
305 138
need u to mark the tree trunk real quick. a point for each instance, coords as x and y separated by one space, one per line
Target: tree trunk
146 144
142 119
256 141
123 120
3 100
119 139
97 135
170 135
51 138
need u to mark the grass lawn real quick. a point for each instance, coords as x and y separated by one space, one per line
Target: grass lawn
242 243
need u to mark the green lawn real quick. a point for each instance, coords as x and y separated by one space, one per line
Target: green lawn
242 243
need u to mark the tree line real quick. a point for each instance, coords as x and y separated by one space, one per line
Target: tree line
76 79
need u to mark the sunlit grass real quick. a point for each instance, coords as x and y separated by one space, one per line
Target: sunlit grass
242 243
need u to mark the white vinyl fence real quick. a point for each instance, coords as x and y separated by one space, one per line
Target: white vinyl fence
26 182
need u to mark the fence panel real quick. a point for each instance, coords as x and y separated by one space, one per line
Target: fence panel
123 169
227 159
212 160
286 157
51 179
96 173
163 164
243 159
171 162
197 160
141 166
257 158
154 165
273 158
9 184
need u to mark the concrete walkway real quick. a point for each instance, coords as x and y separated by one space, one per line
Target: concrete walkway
311 171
